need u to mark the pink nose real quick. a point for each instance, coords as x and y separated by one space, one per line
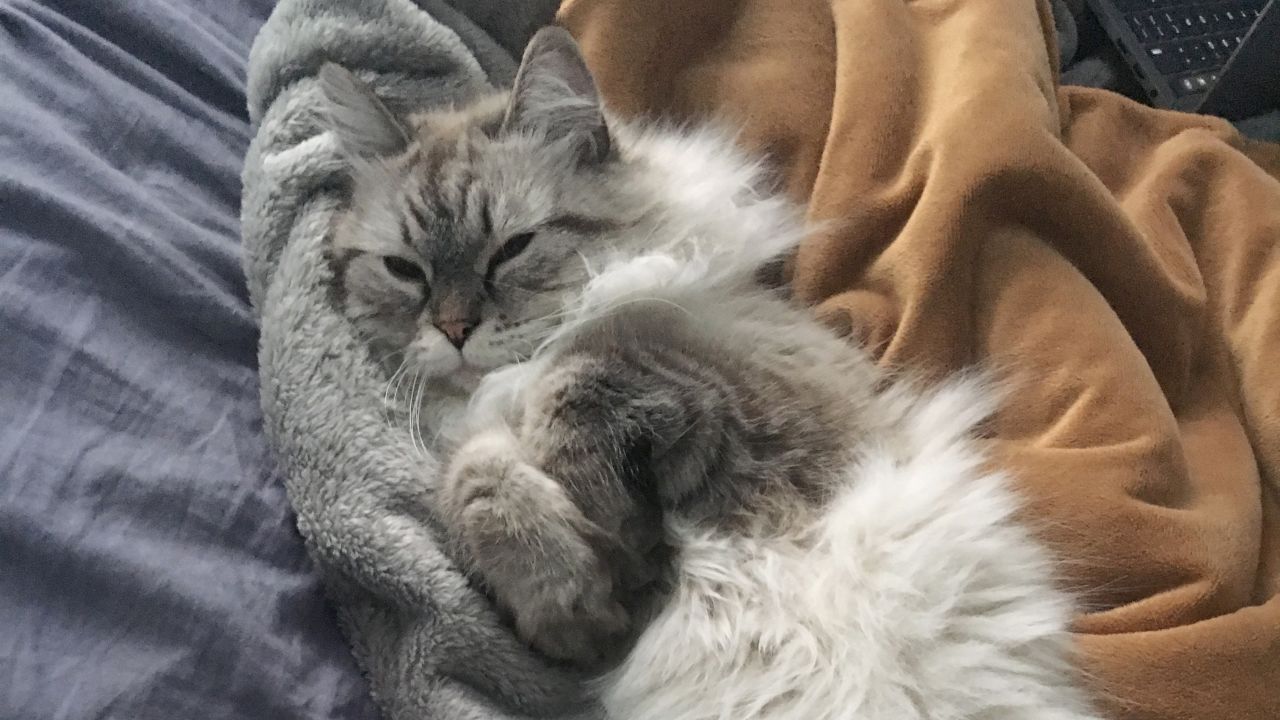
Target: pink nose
456 330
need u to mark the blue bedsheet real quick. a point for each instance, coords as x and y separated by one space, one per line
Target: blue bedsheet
149 566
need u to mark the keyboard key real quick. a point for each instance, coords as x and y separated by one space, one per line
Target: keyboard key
1185 22
1204 59
1165 60
1184 86
1193 84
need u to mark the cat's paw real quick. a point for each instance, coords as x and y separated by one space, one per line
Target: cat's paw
535 550
576 619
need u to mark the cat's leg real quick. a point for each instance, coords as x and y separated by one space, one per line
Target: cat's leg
534 548
563 516
604 431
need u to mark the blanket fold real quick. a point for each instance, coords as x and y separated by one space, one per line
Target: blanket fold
1121 263
430 645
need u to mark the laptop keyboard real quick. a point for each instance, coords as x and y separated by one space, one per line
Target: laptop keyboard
1188 42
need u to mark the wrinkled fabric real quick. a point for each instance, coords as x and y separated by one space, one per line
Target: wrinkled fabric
431 644
1119 264
149 565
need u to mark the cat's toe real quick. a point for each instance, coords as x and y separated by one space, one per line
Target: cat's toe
583 625
587 639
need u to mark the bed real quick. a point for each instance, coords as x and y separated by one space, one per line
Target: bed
149 563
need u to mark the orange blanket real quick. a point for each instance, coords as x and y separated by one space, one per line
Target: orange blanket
1123 262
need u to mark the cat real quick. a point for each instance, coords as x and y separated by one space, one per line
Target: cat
661 469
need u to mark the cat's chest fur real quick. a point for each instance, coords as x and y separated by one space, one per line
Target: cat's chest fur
913 594
890 579
910 592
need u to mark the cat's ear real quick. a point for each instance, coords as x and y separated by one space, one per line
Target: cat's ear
555 95
364 126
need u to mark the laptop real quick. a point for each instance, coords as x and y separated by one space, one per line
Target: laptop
1220 57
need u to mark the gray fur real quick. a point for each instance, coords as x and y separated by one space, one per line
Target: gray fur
431 645
639 420
494 205
490 218
324 206
624 385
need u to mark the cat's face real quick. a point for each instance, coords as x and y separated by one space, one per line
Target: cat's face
469 231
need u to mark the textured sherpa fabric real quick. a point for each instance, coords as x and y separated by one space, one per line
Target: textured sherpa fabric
431 646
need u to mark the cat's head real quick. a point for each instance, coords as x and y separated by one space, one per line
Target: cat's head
469 230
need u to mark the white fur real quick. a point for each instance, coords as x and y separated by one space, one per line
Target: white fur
913 595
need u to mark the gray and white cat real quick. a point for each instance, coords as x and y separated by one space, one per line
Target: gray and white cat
659 468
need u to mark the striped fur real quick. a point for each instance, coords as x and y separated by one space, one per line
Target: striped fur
661 469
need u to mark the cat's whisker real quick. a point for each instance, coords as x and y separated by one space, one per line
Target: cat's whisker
435 437
804 502
607 311
417 419
611 309
396 387
586 263
390 354
411 412
415 412
388 394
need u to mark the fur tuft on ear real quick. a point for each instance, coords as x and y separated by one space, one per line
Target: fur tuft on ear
555 95
363 125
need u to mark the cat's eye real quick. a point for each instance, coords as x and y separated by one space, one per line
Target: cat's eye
402 269
514 245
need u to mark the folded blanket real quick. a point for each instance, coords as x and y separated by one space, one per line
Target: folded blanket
431 647
1122 263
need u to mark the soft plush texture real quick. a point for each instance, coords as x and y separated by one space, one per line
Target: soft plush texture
1122 261
915 595
1118 259
945 609
149 564
431 646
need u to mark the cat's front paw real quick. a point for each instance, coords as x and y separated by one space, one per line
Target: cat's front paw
535 550
576 619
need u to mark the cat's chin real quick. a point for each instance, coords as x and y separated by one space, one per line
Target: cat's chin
433 360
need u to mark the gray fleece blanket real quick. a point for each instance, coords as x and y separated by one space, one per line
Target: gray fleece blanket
431 646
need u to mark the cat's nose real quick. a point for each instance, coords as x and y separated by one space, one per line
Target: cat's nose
457 331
